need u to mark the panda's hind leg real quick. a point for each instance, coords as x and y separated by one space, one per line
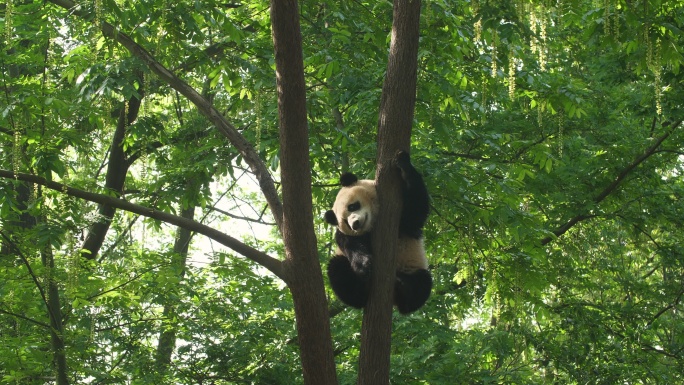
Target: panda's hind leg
412 290
349 287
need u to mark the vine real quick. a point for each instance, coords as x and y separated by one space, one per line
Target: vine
477 26
616 21
258 109
540 115
495 44
606 17
561 124
9 8
542 39
658 81
16 152
160 31
511 75
98 13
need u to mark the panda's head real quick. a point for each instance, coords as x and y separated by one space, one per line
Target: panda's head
355 207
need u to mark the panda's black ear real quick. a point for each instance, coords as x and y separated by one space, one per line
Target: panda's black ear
348 179
330 217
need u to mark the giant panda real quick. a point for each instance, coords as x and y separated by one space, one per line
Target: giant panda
354 213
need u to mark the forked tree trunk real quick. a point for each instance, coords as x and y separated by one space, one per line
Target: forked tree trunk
302 269
117 168
394 133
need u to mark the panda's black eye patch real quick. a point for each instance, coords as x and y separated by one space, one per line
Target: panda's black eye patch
354 207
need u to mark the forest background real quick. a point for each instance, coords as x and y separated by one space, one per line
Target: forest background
147 224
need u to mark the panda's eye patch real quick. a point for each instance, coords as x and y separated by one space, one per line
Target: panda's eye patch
354 207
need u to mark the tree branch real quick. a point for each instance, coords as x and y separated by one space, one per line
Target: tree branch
205 107
640 159
612 187
31 320
115 177
119 286
674 304
226 213
33 275
265 260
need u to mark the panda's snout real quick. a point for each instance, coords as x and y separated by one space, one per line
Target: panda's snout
356 222
355 225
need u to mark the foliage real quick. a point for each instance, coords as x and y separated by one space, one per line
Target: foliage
549 134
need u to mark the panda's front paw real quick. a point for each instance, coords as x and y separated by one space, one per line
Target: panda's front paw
362 267
402 159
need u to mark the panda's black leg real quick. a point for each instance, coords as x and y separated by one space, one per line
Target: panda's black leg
411 290
347 285
416 198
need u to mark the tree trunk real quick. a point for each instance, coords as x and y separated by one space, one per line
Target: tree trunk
55 314
117 167
167 336
394 133
51 297
302 268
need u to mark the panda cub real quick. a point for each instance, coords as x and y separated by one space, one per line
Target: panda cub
354 213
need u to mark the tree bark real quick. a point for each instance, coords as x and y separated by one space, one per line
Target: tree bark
55 315
167 336
394 133
302 268
117 168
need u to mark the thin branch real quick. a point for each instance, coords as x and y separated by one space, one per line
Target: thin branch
270 263
133 322
118 240
512 159
666 308
25 318
627 170
649 348
33 275
205 107
92 297
612 187
259 221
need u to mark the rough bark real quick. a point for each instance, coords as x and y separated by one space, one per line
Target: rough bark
394 133
302 269
55 315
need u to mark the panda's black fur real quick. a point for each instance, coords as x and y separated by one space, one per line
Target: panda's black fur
353 213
